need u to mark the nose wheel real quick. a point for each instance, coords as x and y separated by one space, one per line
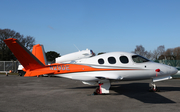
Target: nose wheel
154 88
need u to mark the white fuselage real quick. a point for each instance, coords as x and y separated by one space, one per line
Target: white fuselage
129 67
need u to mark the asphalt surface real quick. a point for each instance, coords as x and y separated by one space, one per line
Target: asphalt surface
51 94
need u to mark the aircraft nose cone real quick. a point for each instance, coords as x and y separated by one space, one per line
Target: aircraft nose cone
173 70
166 70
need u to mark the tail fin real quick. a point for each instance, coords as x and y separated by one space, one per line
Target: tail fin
25 57
38 51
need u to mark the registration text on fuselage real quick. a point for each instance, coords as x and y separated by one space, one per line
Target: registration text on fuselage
60 67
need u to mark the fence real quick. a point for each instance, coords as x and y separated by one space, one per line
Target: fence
174 63
8 65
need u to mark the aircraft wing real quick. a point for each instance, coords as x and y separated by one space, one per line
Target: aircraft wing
109 78
101 78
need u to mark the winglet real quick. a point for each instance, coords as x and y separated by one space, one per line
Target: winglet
25 57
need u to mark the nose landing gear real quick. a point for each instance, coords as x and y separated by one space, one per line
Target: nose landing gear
154 88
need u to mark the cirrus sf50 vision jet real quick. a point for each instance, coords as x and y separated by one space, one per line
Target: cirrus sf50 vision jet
84 66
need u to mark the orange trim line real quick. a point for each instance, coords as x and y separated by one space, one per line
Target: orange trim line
67 68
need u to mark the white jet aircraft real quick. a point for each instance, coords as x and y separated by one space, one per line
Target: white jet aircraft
101 69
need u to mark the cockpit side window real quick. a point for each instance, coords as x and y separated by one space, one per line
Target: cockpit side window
124 59
139 59
111 60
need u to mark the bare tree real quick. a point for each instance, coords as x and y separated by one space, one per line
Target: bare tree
149 55
171 57
5 53
169 54
176 53
28 42
140 50
158 52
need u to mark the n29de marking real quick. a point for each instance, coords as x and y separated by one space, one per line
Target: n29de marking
60 67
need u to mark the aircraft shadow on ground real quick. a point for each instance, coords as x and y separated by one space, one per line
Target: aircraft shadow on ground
139 91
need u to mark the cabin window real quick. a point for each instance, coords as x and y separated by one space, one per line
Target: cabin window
124 59
139 59
111 60
101 61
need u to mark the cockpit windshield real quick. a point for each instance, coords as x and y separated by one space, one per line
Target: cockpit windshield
139 59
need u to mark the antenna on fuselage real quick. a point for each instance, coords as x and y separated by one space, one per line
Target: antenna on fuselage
76 47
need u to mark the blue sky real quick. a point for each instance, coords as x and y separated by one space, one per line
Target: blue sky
100 25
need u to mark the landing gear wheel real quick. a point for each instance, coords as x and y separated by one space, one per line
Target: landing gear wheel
154 88
97 91
103 88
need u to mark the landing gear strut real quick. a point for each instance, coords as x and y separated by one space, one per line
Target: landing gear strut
98 89
154 88
103 88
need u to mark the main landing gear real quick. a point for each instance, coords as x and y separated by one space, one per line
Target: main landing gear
103 88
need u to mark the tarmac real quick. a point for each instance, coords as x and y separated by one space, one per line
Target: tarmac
53 94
